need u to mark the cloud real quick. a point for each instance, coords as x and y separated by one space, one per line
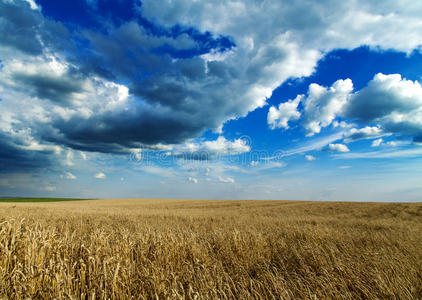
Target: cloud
389 104
336 148
402 153
367 132
325 21
315 144
17 28
33 5
210 149
226 180
279 118
376 143
69 158
310 157
341 124
394 143
48 86
100 175
19 153
384 95
69 175
23 28
45 77
380 142
322 105
193 179
83 155
390 101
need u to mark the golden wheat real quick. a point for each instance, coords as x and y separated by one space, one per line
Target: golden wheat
143 249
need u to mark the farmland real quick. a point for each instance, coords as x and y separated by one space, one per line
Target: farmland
207 249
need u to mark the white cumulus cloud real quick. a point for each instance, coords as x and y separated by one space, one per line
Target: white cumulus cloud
100 175
279 118
336 148
322 105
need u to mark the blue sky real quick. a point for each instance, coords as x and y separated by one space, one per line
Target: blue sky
211 99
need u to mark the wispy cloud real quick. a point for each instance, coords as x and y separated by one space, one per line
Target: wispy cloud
316 144
415 152
226 180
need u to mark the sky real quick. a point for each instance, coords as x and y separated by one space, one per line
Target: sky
223 99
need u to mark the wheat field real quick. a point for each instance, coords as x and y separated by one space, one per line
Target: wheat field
204 249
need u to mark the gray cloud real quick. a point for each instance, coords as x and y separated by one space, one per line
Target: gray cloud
118 132
382 96
390 101
17 25
54 88
15 158
321 25
26 30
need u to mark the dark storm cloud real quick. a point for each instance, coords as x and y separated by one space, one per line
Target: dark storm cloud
54 88
13 158
116 132
166 92
17 26
130 51
26 30
193 69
